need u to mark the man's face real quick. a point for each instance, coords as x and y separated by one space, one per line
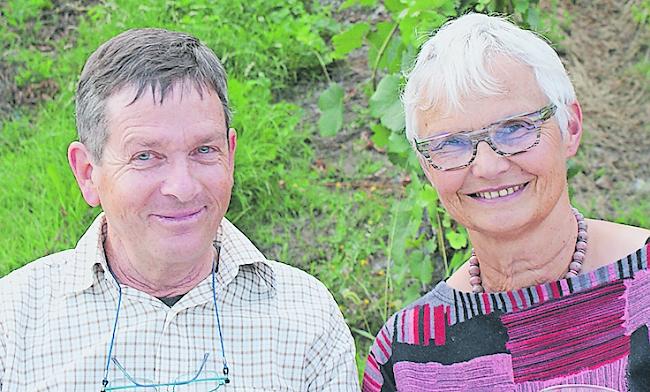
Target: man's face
166 174
537 177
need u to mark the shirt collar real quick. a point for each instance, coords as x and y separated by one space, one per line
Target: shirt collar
88 263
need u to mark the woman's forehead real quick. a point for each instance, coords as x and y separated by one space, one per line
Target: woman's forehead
519 93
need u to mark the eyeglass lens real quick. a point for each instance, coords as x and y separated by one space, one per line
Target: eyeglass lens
509 137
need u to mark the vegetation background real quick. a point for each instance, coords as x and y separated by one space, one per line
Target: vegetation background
324 178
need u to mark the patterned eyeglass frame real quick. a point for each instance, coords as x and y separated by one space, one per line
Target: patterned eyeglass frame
220 380
537 118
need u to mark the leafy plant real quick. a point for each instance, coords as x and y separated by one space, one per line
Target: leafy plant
423 236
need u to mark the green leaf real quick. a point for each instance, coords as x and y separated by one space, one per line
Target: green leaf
391 54
457 260
380 135
349 40
407 27
397 143
330 104
457 240
532 17
363 333
394 6
521 6
385 103
421 268
427 196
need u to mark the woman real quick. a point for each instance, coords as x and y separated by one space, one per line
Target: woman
547 297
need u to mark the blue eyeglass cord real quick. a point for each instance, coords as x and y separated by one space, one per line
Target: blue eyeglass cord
216 309
215 265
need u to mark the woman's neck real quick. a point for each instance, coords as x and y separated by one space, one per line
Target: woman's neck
538 254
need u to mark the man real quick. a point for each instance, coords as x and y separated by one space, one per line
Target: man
162 292
547 297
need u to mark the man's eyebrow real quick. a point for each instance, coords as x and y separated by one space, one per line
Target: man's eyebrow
206 139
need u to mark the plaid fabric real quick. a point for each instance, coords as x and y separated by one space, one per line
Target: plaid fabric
282 329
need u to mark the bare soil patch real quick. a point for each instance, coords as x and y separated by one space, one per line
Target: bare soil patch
602 47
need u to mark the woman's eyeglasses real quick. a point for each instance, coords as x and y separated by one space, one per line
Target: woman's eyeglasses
514 135
200 381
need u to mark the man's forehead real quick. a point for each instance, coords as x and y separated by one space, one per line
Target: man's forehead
159 140
151 92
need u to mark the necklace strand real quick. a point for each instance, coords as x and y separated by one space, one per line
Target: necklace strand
575 266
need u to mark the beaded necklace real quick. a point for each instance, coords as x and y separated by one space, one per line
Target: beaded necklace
574 267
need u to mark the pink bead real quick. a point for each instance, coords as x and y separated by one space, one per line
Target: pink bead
581 245
571 274
473 260
474 270
475 280
575 266
582 235
582 225
477 289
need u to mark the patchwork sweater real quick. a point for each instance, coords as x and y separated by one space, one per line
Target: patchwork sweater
590 329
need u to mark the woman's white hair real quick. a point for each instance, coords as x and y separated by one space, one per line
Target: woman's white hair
455 62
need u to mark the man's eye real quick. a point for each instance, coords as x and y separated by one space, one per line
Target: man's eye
205 149
143 156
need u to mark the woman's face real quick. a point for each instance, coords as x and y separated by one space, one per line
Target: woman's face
502 195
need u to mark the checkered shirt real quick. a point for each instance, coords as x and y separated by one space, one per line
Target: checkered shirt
282 329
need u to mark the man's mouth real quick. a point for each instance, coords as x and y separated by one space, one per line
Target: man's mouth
497 193
180 216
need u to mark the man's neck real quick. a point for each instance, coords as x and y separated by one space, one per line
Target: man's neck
536 255
156 276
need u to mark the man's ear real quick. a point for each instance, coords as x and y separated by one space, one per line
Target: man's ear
232 146
82 167
574 129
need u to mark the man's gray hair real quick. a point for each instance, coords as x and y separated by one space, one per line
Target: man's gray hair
455 63
147 59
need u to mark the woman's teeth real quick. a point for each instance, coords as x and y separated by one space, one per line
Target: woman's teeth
499 193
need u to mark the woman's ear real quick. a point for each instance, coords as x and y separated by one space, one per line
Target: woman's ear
574 129
82 167
426 168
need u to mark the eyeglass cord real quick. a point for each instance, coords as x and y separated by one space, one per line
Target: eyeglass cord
110 348
217 245
215 265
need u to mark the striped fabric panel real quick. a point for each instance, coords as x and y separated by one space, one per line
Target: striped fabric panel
489 373
546 342
380 353
382 348
468 305
372 378
638 309
611 375
423 325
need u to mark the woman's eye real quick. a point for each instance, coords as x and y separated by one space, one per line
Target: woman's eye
515 126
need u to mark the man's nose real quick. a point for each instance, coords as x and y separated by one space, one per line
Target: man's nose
488 163
180 182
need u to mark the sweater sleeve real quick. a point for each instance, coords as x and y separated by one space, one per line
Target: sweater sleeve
378 374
